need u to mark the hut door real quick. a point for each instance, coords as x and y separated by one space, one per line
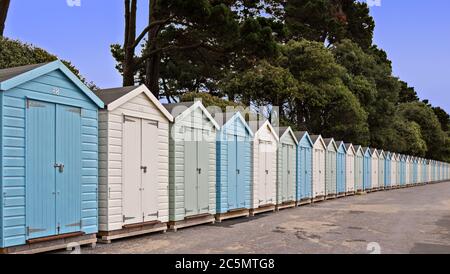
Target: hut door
290 174
140 169
68 176
240 176
40 184
232 172
53 186
203 172
190 172
131 182
149 170
263 173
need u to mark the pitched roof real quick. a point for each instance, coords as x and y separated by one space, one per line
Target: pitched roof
300 134
110 95
171 107
13 77
347 146
314 138
9 73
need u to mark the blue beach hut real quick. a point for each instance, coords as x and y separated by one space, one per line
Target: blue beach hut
304 167
49 156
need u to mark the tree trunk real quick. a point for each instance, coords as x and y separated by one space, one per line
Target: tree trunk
153 63
4 7
130 37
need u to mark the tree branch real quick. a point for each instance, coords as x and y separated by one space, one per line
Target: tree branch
168 48
148 28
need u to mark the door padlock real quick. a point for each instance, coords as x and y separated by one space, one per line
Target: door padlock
144 168
60 167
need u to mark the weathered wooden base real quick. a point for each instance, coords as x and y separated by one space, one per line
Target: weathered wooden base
232 214
386 188
361 193
350 193
106 237
192 221
318 199
330 197
262 209
52 245
340 195
302 202
285 205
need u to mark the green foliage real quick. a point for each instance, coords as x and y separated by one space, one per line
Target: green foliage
15 53
430 126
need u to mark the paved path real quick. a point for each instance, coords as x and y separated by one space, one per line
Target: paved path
412 220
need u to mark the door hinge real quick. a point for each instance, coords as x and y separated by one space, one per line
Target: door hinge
75 224
127 218
34 230
58 229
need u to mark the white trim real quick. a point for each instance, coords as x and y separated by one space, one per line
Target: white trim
352 148
289 129
322 141
334 143
137 91
272 130
196 105
239 116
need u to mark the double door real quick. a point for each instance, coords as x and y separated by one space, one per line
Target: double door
236 168
196 170
53 169
304 173
287 176
140 171
266 174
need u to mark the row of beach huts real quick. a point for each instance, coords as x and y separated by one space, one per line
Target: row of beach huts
78 166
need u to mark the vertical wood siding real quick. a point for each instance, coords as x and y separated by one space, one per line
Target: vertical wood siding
111 160
264 134
287 140
234 127
14 152
176 163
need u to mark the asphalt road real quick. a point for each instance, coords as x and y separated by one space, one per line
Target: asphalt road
411 220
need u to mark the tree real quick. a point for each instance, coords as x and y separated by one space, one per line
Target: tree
443 117
326 105
4 8
264 85
430 126
409 138
330 21
407 94
15 53
207 30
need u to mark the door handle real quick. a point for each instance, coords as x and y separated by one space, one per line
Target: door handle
238 171
267 171
144 168
199 170
60 167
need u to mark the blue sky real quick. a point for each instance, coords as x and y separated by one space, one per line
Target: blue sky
415 33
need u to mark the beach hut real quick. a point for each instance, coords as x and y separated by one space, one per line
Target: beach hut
340 169
49 156
394 170
350 169
319 149
381 168
234 166
192 165
330 168
408 173
287 169
374 169
264 188
304 167
134 163
419 171
359 169
387 169
429 172
424 171
367 169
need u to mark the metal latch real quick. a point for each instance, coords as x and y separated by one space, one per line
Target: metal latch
238 171
267 171
154 214
144 168
60 167
75 224
199 170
